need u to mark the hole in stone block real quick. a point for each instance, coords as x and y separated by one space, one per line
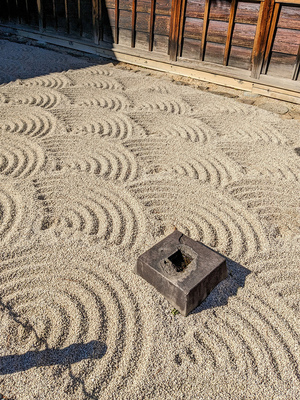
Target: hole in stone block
180 260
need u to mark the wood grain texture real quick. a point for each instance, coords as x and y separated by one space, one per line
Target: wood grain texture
297 66
151 29
230 31
271 38
204 29
133 23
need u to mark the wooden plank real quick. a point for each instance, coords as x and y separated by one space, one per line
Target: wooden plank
79 17
95 16
181 26
297 66
286 41
271 38
133 23
204 29
288 1
41 14
174 29
151 30
67 16
260 41
230 31
116 21
54 14
289 17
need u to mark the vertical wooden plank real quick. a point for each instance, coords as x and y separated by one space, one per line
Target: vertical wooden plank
54 14
230 31
174 29
151 28
204 29
297 66
18 11
79 16
40 12
261 35
271 38
116 21
181 27
133 23
95 16
67 16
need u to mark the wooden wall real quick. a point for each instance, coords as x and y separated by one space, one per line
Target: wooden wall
250 35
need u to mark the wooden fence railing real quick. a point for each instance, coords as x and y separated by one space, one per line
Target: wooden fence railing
261 36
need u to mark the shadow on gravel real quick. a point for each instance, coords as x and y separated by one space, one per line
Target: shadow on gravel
69 355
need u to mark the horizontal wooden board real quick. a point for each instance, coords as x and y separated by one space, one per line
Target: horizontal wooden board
125 18
142 40
286 41
193 28
214 52
162 7
240 57
217 31
162 25
247 13
160 43
281 65
191 49
125 37
142 22
243 35
195 8
289 17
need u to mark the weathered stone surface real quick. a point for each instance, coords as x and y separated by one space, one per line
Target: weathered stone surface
183 270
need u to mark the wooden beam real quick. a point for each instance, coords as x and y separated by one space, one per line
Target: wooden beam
271 38
151 30
297 66
174 29
79 16
116 21
261 36
41 14
181 27
95 16
204 29
288 1
18 11
230 31
133 23
54 14
67 17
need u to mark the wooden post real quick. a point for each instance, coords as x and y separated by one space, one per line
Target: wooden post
67 17
181 27
133 23
41 14
174 29
116 21
297 66
151 30
54 14
271 38
95 12
261 36
230 31
204 29
79 17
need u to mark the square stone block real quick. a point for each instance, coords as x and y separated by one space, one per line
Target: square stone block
183 270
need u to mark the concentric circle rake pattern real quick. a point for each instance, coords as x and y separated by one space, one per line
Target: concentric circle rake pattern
108 159
92 120
54 81
251 336
158 154
86 207
41 97
85 301
102 98
202 214
97 81
30 121
268 199
22 158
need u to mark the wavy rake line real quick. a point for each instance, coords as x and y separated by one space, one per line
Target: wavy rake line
97 82
203 214
104 158
275 203
87 302
278 162
54 81
168 106
10 214
92 98
41 97
93 70
20 159
279 272
101 123
28 121
159 154
89 208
